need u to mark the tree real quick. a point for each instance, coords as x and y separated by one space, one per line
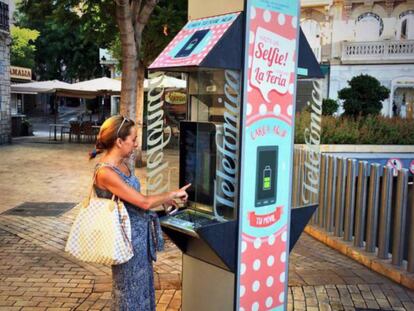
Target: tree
70 36
363 96
22 50
329 107
76 29
139 48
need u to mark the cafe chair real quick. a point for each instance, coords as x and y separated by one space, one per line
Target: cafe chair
87 131
75 130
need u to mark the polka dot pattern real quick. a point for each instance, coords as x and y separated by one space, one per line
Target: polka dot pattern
263 276
165 59
276 103
262 271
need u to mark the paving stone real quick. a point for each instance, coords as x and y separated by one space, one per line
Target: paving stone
36 274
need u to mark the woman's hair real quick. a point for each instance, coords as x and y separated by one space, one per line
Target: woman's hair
113 128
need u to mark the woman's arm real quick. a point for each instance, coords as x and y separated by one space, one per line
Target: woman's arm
107 179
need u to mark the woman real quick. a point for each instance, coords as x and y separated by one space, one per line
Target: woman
133 284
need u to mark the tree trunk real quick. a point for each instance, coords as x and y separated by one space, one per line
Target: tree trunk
132 17
129 59
140 113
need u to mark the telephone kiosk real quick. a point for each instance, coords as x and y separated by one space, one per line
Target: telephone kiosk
210 53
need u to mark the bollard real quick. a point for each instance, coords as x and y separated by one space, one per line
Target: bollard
295 183
360 206
373 201
385 213
330 193
350 199
340 197
410 265
322 192
400 217
301 176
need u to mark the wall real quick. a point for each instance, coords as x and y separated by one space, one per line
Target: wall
205 8
5 117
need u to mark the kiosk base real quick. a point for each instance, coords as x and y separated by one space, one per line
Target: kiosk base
198 292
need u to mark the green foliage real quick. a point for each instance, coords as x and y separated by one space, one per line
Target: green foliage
371 130
166 21
363 96
71 32
329 107
22 48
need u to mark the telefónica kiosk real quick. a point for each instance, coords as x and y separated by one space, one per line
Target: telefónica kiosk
232 140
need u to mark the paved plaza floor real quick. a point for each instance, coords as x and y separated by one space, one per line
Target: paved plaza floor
39 184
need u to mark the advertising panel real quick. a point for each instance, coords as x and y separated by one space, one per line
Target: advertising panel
268 120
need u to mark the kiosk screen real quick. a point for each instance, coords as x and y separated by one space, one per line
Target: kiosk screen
267 158
198 161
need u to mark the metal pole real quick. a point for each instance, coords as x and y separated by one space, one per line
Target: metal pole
296 186
55 104
322 192
350 199
340 197
361 203
385 213
301 176
400 217
410 266
373 200
331 193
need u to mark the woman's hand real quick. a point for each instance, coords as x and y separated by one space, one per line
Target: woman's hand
180 194
171 206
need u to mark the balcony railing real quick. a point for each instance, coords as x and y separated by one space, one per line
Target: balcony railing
378 52
4 16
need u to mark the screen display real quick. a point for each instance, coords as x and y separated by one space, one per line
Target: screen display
266 175
198 160
192 43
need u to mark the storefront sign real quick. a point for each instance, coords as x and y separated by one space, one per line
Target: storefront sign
176 98
20 73
267 149
194 41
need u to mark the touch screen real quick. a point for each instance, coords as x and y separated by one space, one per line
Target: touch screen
198 160
266 175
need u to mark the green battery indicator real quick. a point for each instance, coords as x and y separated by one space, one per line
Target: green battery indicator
267 178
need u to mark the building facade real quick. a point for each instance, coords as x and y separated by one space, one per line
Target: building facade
353 37
5 111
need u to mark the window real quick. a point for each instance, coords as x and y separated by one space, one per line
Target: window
368 27
4 16
406 29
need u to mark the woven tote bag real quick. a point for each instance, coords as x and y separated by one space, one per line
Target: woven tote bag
101 232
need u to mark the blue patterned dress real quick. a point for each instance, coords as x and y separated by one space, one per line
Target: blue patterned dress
133 281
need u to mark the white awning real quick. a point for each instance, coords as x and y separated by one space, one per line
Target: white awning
38 87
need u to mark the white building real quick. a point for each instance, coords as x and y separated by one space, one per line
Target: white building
5 113
353 37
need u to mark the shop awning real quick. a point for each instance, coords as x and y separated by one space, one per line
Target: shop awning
215 42
87 89
49 86
96 87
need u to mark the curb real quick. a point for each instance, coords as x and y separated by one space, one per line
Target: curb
381 266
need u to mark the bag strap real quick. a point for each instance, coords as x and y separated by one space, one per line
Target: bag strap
92 189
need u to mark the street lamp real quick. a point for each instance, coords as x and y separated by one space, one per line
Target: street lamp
103 60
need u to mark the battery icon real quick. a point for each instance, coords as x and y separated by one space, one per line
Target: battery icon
267 179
